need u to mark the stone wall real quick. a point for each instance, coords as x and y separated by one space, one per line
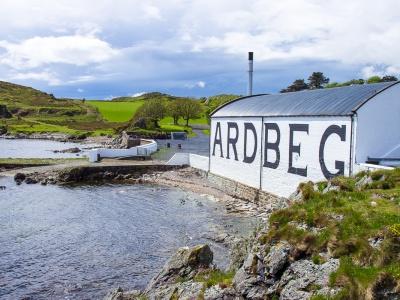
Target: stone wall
242 191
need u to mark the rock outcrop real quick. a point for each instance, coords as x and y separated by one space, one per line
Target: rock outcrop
184 264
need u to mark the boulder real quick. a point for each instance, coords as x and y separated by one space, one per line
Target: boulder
300 276
19 178
185 263
277 259
330 187
249 279
363 182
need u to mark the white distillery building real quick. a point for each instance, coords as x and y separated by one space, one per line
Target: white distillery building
274 142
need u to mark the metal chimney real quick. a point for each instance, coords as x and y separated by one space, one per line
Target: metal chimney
250 84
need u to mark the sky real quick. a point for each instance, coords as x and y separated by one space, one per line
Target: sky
100 49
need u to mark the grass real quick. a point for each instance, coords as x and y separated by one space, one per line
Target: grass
215 277
370 212
117 111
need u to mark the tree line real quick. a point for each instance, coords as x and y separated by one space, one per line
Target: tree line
317 80
152 111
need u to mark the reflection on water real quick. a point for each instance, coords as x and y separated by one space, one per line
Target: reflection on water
79 242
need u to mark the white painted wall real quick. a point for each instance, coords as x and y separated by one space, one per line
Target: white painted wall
279 181
378 126
247 173
199 161
144 150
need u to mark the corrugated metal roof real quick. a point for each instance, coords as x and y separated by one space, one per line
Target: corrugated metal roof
342 101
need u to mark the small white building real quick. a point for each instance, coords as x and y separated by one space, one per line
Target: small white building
274 142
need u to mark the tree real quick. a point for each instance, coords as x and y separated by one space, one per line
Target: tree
191 109
152 110
374 79
174 109
297 85
388 78
317 80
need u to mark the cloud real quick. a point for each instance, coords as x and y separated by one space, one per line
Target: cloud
138 94
78 50
114 47
381 71
80 90
152 12
48 77
199 84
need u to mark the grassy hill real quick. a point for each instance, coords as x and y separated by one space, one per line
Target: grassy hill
36 111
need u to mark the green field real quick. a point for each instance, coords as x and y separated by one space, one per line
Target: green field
34 111
116 111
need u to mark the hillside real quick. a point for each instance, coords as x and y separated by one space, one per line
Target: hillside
27 110
35 111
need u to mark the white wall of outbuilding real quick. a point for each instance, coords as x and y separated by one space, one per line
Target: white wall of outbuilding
378 126
278 179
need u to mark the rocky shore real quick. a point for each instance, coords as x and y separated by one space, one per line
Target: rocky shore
259 270
263 265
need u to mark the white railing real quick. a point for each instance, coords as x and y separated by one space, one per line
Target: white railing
142 150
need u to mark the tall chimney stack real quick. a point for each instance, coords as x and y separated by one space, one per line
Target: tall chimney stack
250 84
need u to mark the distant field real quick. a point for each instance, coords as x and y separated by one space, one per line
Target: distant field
115 111
123 111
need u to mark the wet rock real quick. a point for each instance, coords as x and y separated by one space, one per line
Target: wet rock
69 150
19 178
185 263
301 275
